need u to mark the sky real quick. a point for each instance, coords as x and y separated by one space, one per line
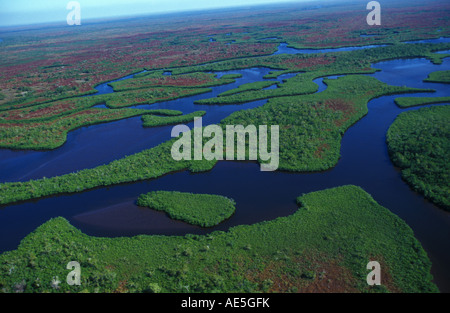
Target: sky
25 12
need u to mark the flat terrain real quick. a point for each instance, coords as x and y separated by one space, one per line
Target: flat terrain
311 70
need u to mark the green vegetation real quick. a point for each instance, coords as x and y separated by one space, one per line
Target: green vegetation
153 120
149 96
299 85
166 112
419 143
313 66
326 245
112 100
45 126
49 111
147 164
415 101
436 58
197 209
311 128
231 76
249 86
439 77
157 79
173 45
53 133
332 63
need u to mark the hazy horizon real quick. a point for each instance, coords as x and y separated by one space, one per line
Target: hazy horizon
26 12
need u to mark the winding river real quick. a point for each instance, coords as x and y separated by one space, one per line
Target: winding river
259 195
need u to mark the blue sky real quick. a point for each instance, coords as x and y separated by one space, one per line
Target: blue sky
23 12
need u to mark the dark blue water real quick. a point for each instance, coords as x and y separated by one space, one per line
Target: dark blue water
91 146
259 195
284 49
100 106
105 88
438 40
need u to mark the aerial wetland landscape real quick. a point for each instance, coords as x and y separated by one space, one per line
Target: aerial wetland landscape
118 157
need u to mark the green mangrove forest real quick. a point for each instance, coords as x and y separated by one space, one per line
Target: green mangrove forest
418 144
197 209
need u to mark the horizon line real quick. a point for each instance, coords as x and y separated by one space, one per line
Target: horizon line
164 12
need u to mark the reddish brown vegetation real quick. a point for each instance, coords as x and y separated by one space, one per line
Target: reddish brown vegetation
329 276
321 149
65 63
